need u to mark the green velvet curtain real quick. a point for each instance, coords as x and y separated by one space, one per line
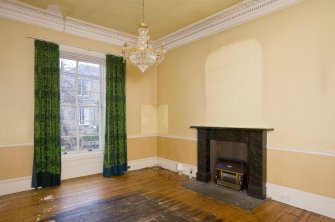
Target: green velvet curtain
47 149
115 153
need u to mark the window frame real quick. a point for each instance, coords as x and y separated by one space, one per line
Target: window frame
80 55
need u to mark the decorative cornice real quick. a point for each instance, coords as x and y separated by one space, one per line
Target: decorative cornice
243 12
92 31
235 15
23 12
26 13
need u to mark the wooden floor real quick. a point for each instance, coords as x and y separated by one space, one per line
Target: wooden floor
151 194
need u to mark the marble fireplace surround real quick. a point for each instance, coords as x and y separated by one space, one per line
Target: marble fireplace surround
255 138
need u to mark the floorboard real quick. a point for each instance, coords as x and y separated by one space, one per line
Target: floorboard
151 194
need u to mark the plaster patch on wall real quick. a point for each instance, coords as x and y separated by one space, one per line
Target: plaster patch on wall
148 119
154 119
233 78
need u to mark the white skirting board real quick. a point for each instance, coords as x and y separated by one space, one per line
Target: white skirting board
301 199
164 163
142 163
172 165
15 185
92 164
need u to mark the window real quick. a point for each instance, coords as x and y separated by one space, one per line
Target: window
84 116
81 83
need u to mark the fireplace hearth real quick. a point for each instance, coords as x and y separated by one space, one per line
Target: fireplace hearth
241 144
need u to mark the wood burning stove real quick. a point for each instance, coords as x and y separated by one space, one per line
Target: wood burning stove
230 174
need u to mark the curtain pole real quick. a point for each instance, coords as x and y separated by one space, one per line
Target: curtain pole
60 43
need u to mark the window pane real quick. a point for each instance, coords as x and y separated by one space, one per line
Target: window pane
67 96
93 84
89 128
90 120
68 113
88 69
68 66
68 121
86 116
92 99
68 144
68 128
68 82
84 87
90 142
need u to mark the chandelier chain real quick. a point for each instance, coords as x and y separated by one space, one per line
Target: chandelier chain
142 11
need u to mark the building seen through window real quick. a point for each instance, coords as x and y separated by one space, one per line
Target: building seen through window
81 92
83 87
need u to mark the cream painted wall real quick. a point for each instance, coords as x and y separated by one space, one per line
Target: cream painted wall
140 91
298 76
179 150
307 172
141 148
17 95
17 160
154 119
148 119
297 92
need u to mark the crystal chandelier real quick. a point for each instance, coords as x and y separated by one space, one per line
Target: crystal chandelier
143 55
